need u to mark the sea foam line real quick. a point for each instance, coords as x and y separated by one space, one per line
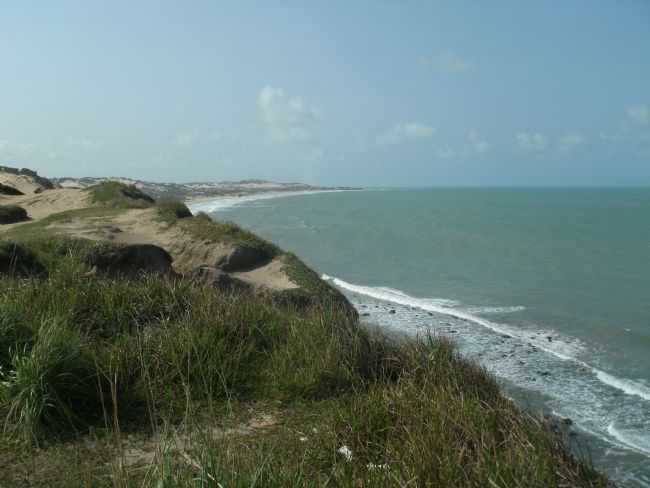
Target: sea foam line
630 440
627 386
225 202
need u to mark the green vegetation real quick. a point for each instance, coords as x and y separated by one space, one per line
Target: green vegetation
34 230
312 290
162 382
171 210
119 195
17 260
10 214
204 227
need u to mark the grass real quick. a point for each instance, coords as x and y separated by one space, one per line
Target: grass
10 214
18 260
171 210
204 227
36 229
179 370
118 195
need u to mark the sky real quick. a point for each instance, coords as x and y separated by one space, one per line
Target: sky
373 93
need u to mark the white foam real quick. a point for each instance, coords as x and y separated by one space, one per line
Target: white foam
225 202
628 386
496 310
562 350
559 348
629 439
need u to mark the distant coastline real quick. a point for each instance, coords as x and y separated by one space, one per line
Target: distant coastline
206 190
220 202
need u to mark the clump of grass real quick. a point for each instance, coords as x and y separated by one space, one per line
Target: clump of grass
118 195
10 214
49 384
19 260
171 210
204 227
312 289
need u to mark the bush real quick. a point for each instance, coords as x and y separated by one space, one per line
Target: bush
119 195
172 210
10 214
18 260
49 386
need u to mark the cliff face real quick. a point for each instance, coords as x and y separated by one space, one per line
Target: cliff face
219 254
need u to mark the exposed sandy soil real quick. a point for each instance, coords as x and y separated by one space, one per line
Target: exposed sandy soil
23 183
270 276
48 202
142 226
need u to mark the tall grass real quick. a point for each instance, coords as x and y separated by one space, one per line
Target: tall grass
176 362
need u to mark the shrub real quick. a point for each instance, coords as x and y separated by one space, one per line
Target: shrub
10 214
119 195
48 386
172 210
18 260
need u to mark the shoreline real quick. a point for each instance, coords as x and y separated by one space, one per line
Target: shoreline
211 204
403 317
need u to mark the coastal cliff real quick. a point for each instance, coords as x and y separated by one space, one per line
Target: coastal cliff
143 345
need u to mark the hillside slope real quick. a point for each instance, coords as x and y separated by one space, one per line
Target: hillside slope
122 215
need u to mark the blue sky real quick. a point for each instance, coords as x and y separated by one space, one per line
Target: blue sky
363 93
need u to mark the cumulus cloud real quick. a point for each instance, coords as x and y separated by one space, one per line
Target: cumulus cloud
570 141
287 118
531 141
639 113
447 62
411 131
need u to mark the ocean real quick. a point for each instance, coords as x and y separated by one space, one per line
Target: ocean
547 288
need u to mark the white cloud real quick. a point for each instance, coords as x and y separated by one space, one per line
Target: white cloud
531 141
409 132
287 118
639 113
447 62
570 141
3 144
476 144
186 137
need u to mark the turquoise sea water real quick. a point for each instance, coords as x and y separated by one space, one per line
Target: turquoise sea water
548 288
